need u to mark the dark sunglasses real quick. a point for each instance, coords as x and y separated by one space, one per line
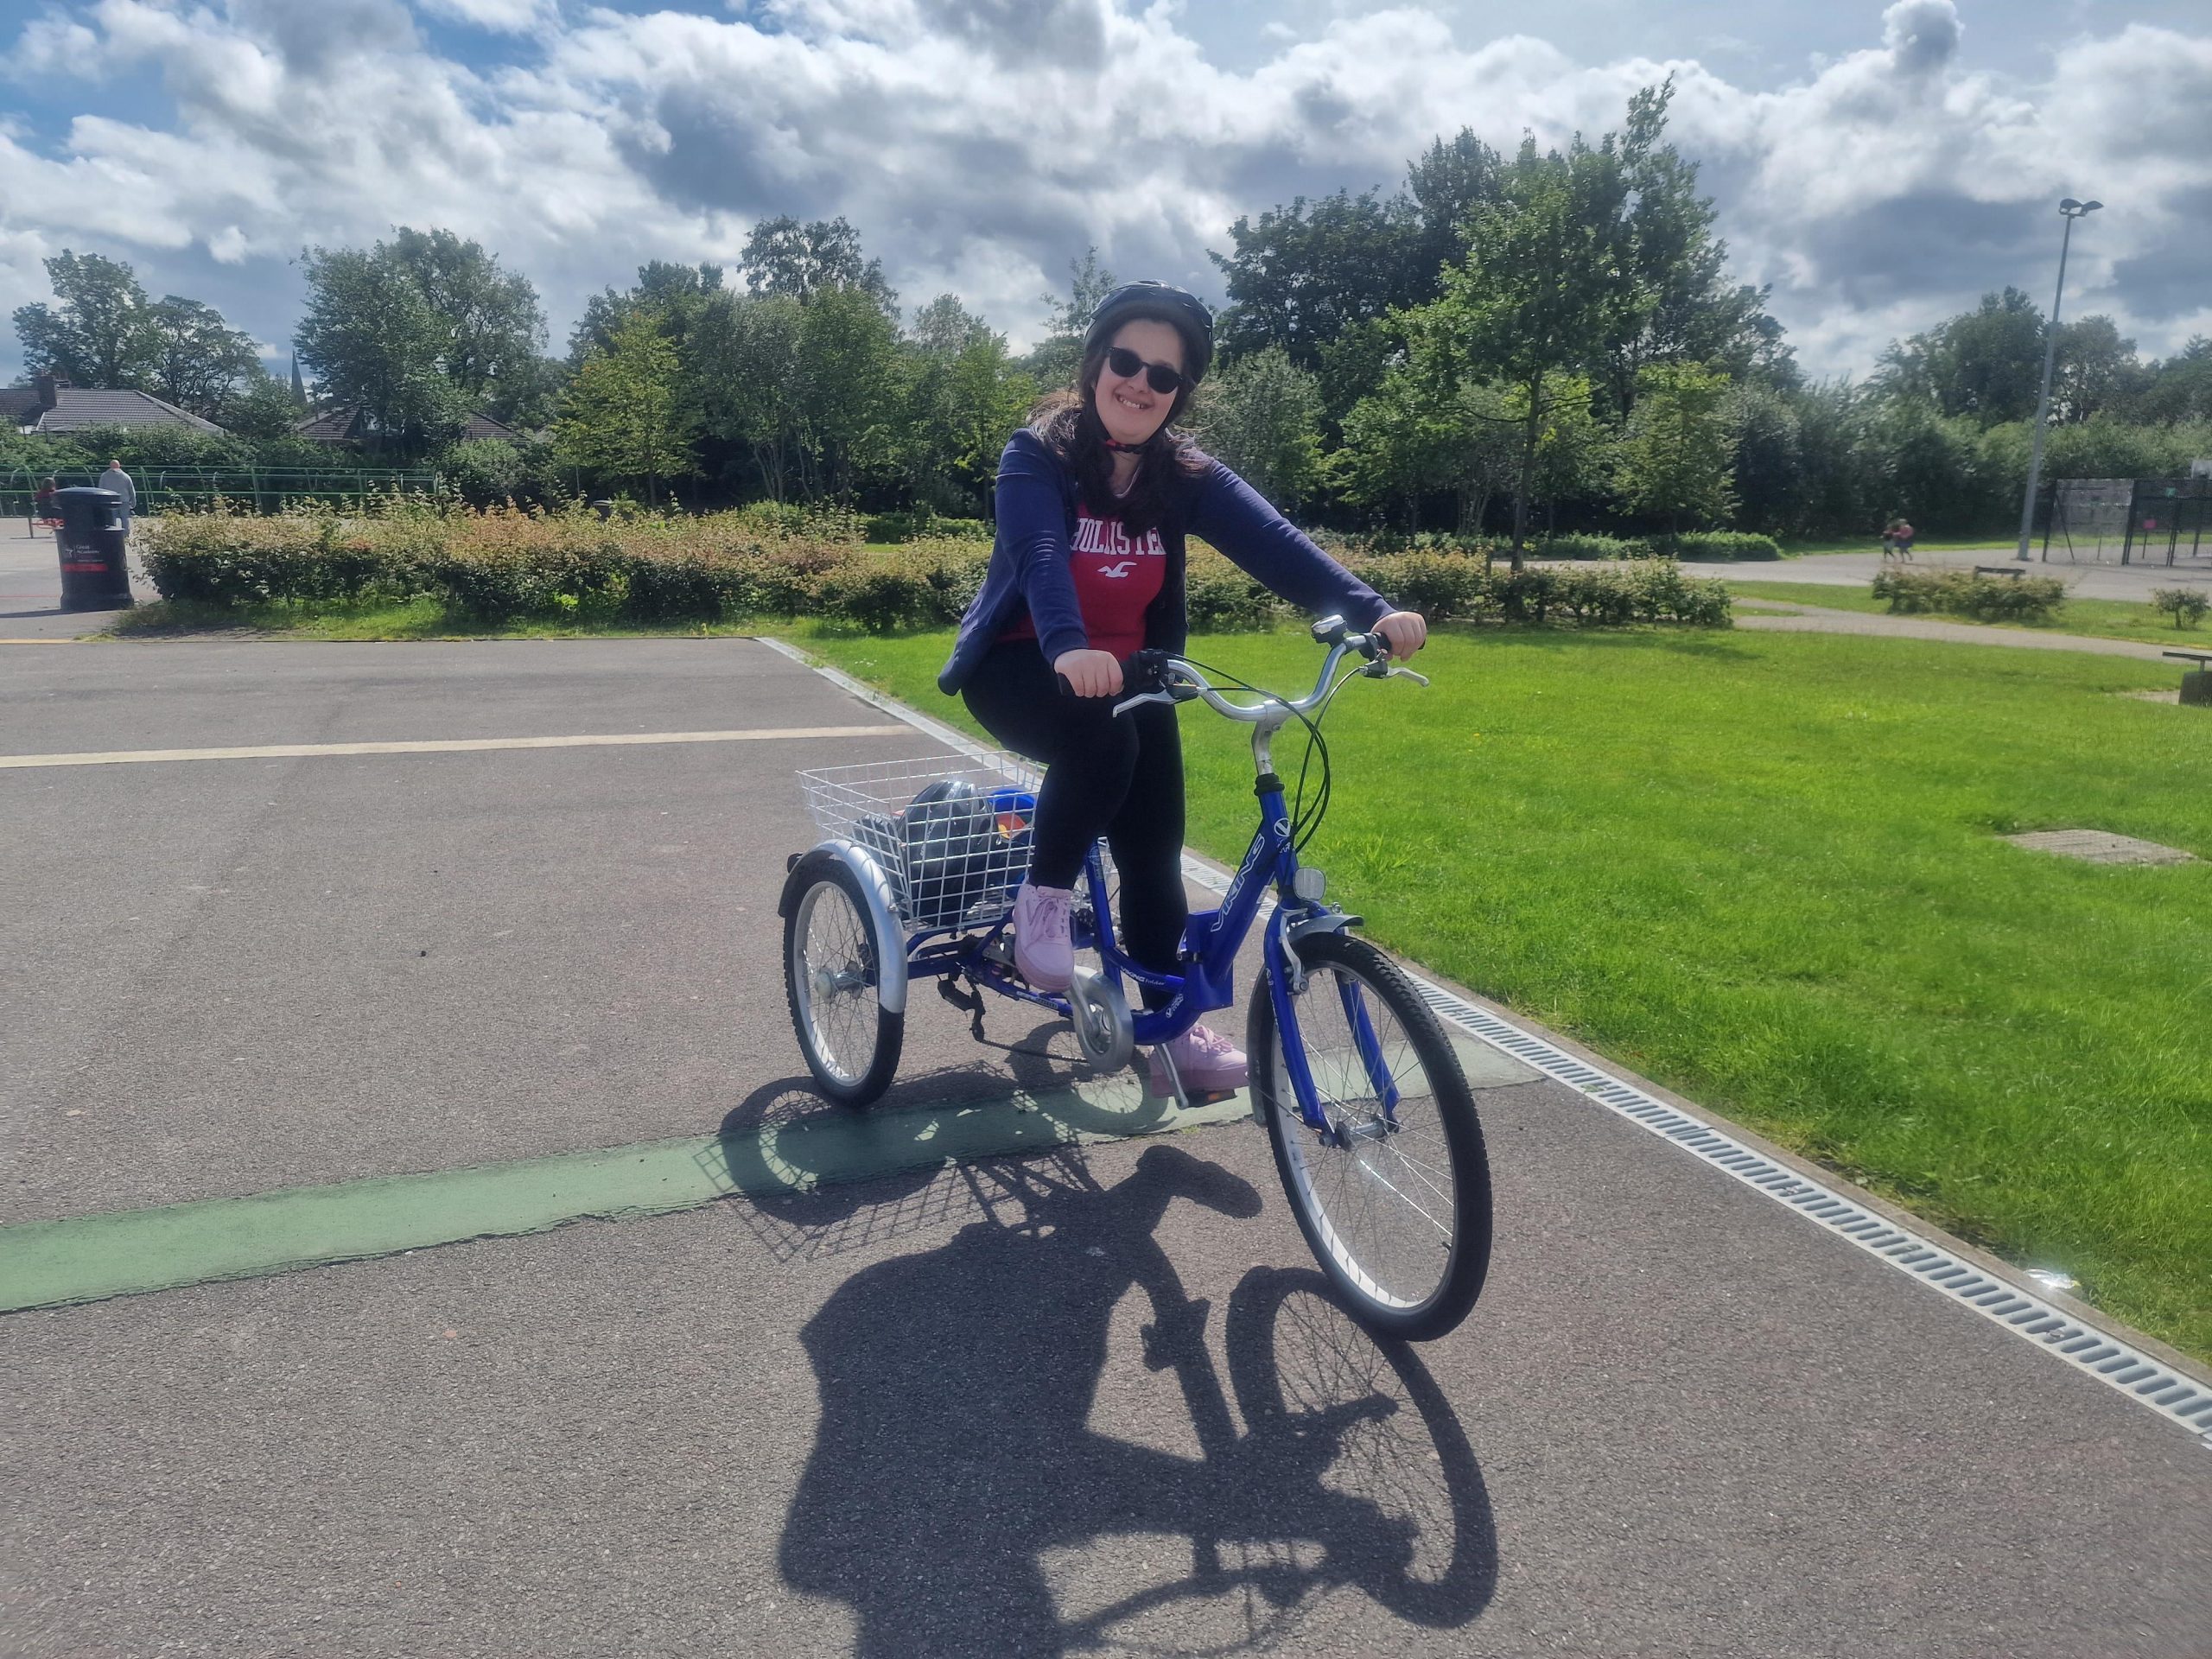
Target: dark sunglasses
1161 378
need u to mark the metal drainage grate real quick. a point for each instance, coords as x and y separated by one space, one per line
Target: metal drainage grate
2174 1396
2100 847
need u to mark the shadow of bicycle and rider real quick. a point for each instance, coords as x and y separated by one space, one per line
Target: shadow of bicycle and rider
959 1498
792 1152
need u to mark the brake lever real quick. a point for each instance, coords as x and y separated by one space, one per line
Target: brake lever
1128 703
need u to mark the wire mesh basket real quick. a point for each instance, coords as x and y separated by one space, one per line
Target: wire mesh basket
951 832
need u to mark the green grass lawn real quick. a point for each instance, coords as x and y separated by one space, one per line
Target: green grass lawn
1764 870
2103 619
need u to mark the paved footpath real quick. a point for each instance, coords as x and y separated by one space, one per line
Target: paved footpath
804 1387
2133 582
1818 619
30 587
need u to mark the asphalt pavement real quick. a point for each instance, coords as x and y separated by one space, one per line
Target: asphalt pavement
30 587
1088 1400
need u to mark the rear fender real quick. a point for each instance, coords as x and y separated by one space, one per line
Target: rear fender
875 895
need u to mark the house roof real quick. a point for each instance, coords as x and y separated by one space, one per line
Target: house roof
345 425
76 408
481 425
18 404
331 426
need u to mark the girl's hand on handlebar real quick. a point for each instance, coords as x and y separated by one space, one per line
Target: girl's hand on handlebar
1404 631
1090 673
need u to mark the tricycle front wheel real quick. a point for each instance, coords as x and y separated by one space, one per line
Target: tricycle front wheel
1392 1192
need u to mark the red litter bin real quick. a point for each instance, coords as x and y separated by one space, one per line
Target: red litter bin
95 572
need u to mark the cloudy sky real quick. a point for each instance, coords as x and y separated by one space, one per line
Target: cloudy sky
1880 167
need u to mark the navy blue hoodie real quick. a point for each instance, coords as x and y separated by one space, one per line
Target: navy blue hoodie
1037 498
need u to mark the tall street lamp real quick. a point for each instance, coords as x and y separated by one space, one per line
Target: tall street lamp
2072 210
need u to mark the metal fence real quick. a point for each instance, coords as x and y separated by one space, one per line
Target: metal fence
2157 521
2087 524
2167 521
257 489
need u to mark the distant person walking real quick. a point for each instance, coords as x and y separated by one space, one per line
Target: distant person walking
1897 539
119 480
43 508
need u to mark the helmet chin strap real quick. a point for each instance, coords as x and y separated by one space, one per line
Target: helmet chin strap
1133 448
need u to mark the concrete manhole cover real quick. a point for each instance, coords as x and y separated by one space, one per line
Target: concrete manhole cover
2100 847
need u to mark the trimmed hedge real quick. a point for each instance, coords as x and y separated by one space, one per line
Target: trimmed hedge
497 566
1578 546
1961 593
1718 544
1455 587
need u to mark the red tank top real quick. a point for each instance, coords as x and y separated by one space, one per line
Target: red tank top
1117 576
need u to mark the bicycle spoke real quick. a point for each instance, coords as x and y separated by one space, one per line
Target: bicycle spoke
1386 1204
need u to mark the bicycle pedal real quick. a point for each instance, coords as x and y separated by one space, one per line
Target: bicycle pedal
969 1002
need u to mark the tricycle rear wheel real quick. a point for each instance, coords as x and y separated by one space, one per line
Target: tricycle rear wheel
831 972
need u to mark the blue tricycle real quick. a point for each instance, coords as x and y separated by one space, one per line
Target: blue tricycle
1365 1102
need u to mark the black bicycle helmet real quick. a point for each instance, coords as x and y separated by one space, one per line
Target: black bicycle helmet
1185 311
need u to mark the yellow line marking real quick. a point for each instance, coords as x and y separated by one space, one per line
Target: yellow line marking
459 746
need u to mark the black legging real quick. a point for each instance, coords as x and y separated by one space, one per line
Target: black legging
1121 777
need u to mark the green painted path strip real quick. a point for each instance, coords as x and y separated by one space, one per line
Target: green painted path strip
89 1258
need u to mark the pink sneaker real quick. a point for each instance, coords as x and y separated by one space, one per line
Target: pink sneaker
1043 954
1207 1062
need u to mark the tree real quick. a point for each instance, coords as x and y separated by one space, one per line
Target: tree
2180 388
1770 480
1677 455
1548 289
847 390
1452 178
785 256
964 394
991 395
372 341
491 332
1261 417
1306 273
1353 366
945 328
1986 364
679 293
1690 311
1058 357
259 407
1398 445
2096 372
625 415
199 359
102 333
743 368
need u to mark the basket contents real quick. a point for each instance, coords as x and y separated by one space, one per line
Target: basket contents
951 834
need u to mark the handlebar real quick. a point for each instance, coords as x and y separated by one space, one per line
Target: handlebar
1178 681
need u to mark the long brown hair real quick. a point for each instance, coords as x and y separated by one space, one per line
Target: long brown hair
1069 424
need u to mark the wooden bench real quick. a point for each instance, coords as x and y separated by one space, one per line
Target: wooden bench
2196 683
2015 571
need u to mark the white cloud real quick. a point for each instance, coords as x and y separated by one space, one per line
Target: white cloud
499 16
979 144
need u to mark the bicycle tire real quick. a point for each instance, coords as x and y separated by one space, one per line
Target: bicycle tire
1411 1296
1300 1378
850 1041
